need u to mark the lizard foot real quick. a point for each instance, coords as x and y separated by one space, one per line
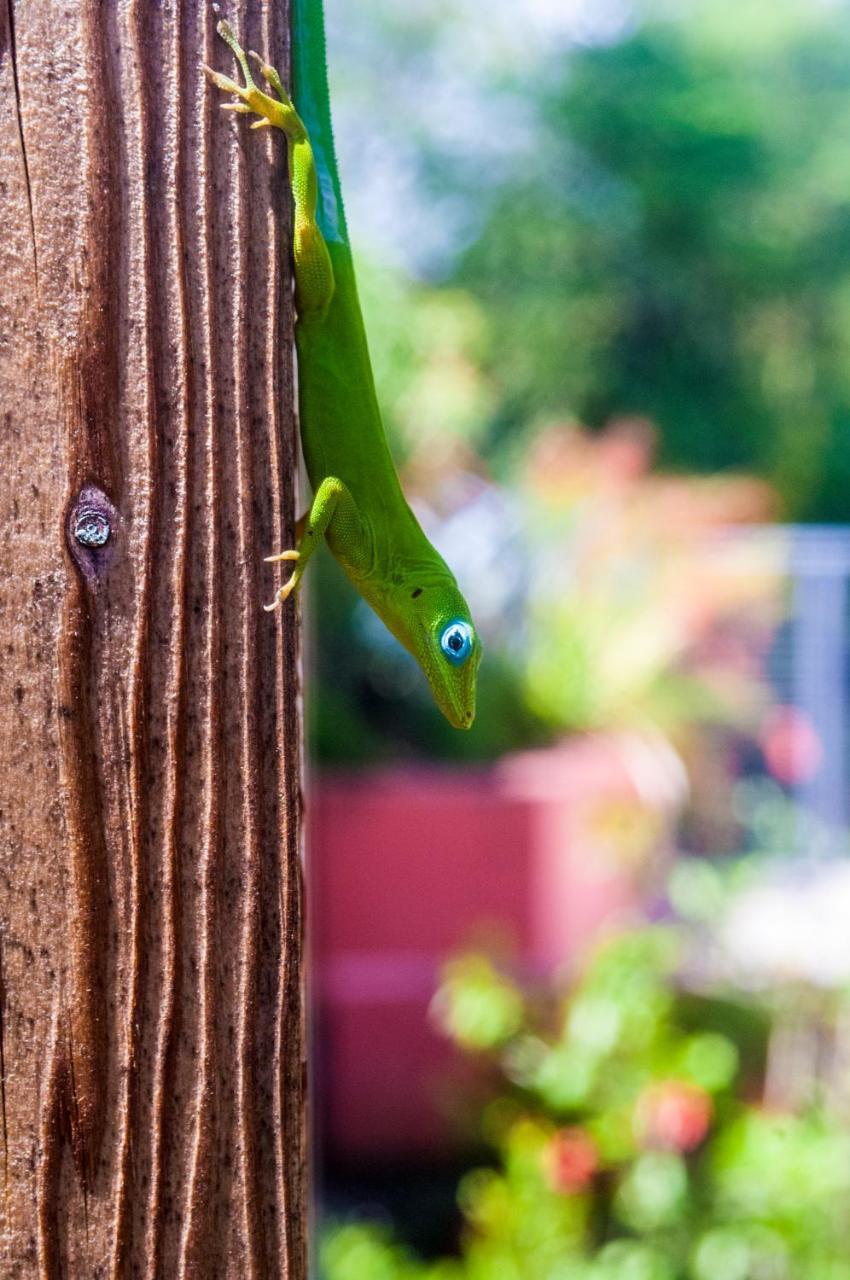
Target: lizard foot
252 101
288 587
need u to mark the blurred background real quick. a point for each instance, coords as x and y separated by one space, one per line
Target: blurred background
582 976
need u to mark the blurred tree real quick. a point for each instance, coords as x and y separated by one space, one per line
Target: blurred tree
681 246
647 214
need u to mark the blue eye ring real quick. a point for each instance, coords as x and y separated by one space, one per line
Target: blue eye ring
456 641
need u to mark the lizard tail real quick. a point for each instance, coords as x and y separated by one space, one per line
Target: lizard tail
312 101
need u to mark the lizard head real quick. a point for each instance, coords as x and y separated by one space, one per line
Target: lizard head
428 614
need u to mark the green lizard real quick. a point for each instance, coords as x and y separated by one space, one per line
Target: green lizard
358 504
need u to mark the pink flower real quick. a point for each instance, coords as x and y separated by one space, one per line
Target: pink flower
791 745
673 1115
570 1160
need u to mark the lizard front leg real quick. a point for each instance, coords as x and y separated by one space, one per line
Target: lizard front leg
333 512
314 277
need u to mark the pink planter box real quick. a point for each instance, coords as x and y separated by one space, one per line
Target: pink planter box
534 856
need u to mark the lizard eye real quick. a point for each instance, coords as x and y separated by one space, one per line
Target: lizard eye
456 642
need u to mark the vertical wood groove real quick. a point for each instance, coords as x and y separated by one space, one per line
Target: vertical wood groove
138 745
199 1181
171 272
290 1034
152 1054
75 1100
244 201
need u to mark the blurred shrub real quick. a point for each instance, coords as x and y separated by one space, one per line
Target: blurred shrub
634 578
629 1141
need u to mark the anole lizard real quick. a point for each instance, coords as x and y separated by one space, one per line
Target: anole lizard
358 504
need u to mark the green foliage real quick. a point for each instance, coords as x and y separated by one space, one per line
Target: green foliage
628 1141
480 1008
428 346
679 246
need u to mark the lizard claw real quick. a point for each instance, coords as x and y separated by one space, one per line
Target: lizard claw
224 82
283 555
283 594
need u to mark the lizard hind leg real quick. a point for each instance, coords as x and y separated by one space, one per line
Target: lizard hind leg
314 273
314 277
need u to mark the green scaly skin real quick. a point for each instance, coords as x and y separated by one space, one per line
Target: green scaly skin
358 504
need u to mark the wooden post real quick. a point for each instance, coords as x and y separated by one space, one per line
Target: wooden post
151 1015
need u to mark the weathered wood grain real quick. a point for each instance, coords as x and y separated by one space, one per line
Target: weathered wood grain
151 1011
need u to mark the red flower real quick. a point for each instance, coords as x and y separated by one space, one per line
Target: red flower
673 1115
570 1160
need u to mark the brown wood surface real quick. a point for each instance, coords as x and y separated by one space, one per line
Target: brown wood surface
151 1019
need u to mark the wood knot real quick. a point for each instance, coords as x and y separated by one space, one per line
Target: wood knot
90 531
